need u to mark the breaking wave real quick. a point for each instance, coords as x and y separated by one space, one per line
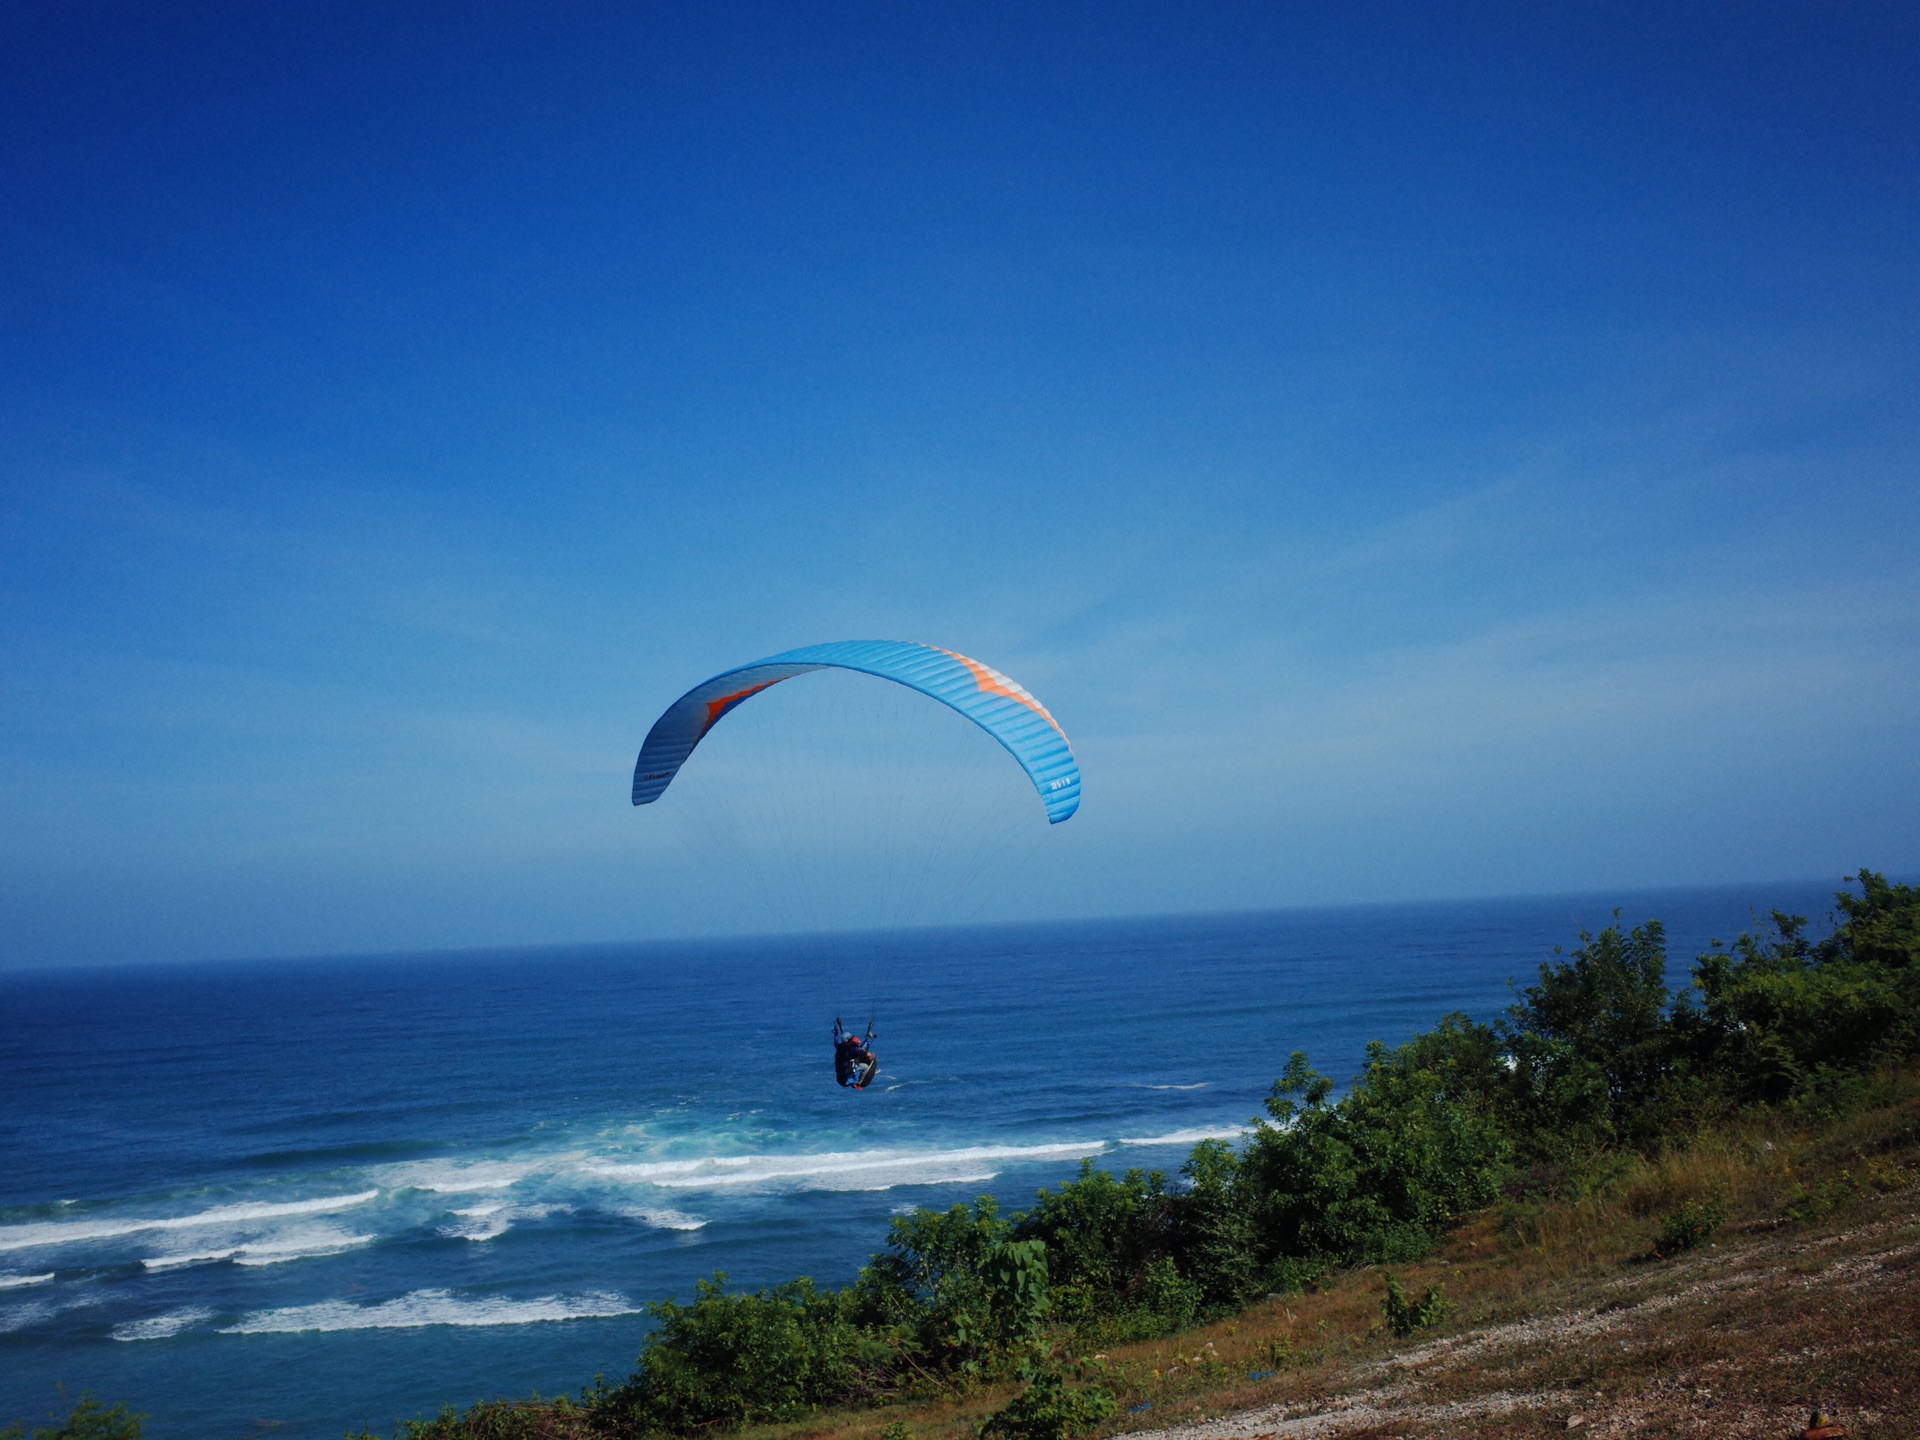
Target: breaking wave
431 1307
159 1327
667 1219
303 1242
457 1177
37 1234
839 1171
639 1180
488 1222
1191 1137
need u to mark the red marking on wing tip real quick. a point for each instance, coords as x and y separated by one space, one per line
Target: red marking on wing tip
717 708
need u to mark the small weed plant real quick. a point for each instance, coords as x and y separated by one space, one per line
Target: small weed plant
1873 1176
1690 1223
1405 1315
1049 1409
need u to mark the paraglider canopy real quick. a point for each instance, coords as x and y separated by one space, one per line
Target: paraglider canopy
1004 709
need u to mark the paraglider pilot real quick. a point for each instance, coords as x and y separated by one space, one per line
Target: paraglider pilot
853 1062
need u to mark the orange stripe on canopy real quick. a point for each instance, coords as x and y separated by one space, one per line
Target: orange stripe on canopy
994 683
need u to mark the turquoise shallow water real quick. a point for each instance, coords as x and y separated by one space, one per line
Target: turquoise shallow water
291 1198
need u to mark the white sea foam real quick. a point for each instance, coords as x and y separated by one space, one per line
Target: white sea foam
19 1317
22 1316
302 1242
430 1307
1197 1085
308 1242
654 1169
14 1282
457 1177
1191 1137
485 1227
668 1219
488 1222
159 1327
64 1232
839 1171
173 1258
480 1222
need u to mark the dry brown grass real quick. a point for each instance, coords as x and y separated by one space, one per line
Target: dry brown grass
1809 1295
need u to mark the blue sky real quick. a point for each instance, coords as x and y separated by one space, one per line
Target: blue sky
1416 451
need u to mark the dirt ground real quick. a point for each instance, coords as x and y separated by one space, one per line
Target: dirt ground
1744 1339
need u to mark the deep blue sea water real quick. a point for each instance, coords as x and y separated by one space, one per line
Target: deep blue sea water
290 1198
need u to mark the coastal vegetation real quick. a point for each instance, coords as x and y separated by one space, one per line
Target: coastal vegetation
1608 1130
1602 1104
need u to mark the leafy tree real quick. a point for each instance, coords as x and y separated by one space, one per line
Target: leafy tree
1594 1046
1781 1015
1882 927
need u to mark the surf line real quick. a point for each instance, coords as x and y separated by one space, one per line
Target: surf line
31 1236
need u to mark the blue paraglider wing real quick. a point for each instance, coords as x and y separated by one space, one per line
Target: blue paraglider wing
993 702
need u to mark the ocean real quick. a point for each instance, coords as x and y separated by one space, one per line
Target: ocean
293 1198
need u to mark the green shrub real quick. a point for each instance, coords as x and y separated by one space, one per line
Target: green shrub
1214 1230
1865 1177
1690 1223
1404 1315
497 1420
960 1289
1882 927
1128 1260
1788 1020
1417 1142
1101 1235
1048 1409
89 1420
1168 1300
735 1359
